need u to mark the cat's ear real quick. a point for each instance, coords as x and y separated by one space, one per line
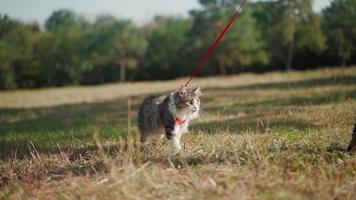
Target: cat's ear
197 92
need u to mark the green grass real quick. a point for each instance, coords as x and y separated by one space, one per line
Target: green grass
268 136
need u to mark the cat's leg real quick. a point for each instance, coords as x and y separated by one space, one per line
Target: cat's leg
167 118
184 127
169 131
177 137
144 140
144 137
168 124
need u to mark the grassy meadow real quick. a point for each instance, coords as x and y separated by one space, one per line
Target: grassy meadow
267 136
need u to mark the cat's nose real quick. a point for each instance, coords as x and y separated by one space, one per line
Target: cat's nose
195 109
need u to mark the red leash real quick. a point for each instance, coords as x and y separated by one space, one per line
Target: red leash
216 42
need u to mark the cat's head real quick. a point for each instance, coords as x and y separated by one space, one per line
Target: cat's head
188 100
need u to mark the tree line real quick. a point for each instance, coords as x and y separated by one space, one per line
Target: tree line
269 35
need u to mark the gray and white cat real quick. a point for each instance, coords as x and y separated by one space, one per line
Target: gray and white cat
169 115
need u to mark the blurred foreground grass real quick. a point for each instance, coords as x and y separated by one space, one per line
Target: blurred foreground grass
275 135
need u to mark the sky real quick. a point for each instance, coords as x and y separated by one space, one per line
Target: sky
141 11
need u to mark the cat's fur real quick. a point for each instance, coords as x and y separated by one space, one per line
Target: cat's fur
352 145
169 114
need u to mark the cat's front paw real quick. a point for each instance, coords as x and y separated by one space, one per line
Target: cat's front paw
169 132
169 136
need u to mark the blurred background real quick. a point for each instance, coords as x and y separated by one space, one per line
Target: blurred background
85 42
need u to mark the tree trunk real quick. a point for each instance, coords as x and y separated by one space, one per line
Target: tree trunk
290 56
222 67
49 80
343 61
122 72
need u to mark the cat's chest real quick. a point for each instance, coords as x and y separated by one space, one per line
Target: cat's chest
182 121
184 117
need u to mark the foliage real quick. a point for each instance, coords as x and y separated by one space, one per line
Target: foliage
166 37
17 63
269 35
290 25
341 31
116 43
241 47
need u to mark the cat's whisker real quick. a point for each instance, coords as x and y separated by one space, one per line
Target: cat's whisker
203 112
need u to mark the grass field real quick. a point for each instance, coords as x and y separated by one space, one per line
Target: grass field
268 136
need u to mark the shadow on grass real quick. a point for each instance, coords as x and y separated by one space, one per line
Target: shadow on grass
256 111
23 149
59 118
66 123
252 124
70 125
311 83
316 99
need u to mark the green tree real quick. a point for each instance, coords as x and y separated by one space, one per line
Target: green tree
339 25
165 36
45 51
71 57
298 27
117 42
8 53
64 19
242 46
130 46
18 67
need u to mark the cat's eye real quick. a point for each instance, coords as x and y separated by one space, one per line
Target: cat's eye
189 102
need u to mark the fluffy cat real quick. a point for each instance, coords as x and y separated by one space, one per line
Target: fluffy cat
169 115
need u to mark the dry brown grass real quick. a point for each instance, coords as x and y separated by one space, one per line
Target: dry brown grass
270 136
95 94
